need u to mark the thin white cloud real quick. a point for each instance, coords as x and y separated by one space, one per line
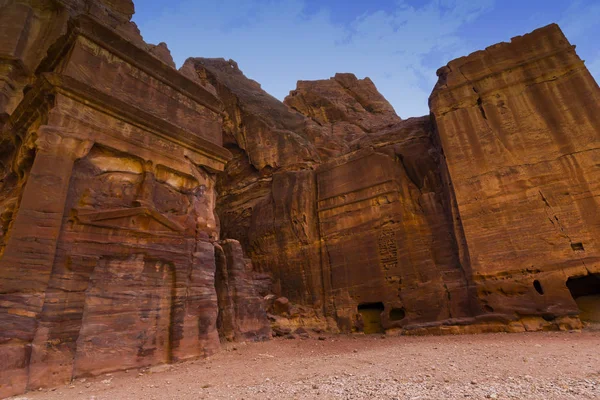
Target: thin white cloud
276 43
581 21
580 18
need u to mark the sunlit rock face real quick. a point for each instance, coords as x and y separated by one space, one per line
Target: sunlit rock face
267 196
242 314
431 222
357 214
520 127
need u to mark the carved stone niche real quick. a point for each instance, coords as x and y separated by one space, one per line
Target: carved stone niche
108 258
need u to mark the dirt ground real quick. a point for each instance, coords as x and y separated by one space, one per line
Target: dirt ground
550 365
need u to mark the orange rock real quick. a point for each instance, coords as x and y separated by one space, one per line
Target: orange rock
519 125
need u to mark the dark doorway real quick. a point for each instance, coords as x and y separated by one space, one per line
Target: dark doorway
538 287
371 316
397 314
586 292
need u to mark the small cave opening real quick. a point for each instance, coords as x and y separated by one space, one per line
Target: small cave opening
577 246
371 316
538 287
397 314
586 292
549 317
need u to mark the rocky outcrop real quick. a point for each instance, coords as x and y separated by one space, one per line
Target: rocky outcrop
386 225
520 127
267 195
350 107
415 224
31 27
242 314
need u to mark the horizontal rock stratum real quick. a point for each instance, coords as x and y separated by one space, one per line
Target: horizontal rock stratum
149 213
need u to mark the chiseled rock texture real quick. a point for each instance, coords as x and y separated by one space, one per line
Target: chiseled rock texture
520 127
108 158
267 196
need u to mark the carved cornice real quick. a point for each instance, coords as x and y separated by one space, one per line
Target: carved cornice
107 218
105 37
41 96
494 64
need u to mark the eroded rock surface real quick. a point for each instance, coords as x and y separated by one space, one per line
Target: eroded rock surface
242 314
365 219
418 223
520 126
267 197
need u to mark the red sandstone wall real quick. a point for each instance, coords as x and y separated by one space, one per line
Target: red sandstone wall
107 205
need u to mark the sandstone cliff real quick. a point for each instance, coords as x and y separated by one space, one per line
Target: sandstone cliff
520 126
359 215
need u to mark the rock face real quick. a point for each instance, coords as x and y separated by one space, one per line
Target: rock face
388 238
350 108
359 215
145 212
520 126
445 220
267 198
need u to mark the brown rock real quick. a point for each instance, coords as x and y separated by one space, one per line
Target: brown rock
381 194
343 100
480 218
161 51
281 306
281 330
302 333
284 212
267 194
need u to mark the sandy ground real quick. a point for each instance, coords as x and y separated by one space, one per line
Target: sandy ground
495 366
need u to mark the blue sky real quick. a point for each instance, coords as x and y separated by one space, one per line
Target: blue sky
399 44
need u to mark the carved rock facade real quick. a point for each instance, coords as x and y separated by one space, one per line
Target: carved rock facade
362 219
109 158
520 126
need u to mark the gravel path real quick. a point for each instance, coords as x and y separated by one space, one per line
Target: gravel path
492 366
